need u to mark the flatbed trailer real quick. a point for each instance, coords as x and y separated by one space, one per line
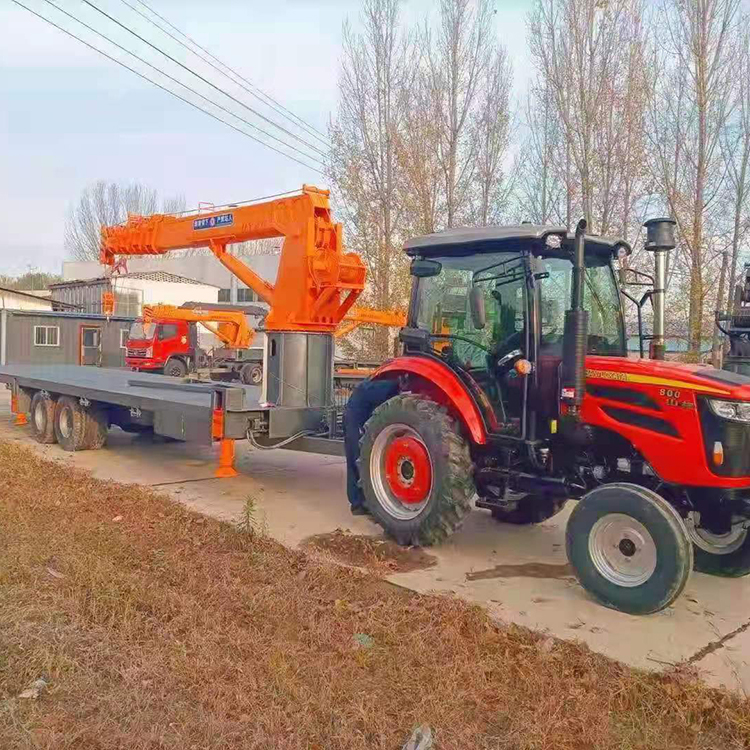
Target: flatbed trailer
200 412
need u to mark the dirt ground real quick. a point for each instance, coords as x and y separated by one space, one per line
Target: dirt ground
127 621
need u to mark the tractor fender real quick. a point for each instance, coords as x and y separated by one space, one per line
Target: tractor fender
447 383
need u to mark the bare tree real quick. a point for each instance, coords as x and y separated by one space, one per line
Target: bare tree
365 136
588 55
491 135
690 111
104 204
460 54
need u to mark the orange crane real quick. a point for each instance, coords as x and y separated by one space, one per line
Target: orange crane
358 316
317 283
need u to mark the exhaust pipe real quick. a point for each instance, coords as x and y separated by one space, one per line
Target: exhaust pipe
575 334
659 240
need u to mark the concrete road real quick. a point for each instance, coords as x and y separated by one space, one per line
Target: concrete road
518 573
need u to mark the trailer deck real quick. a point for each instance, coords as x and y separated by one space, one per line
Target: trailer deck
201 412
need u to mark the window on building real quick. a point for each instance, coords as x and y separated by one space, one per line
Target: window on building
246 295
124 333
46 336
225 295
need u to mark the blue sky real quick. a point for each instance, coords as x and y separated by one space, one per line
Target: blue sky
69 117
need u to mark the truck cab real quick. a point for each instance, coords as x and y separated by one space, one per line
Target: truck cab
165 346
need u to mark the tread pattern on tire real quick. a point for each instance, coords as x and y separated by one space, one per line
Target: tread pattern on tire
76 441
451 498
46 436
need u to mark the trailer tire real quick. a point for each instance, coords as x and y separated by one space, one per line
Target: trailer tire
416 470
531 509
175 368
42 418
97 428
629 548
727 555
251 374
71 424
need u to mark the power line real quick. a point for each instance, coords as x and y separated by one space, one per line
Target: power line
260 95
180 83
202 78
158 85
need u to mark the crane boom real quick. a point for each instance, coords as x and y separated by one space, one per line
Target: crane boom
317 283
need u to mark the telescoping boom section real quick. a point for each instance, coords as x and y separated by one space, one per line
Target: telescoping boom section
317 282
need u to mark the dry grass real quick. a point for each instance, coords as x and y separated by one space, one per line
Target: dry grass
165 630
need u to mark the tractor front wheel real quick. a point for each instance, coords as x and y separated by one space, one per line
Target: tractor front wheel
416 470
629 548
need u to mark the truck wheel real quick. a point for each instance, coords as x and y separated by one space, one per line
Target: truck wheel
531 509
416 470
70 424
251 374
629 548
43 418
726 555
175 368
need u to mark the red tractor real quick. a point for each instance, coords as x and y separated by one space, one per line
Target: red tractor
516 393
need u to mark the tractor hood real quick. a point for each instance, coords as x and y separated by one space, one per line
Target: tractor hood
672 375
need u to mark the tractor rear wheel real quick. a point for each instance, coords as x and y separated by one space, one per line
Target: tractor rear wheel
530 509
629 548
43 418
726 555
416 470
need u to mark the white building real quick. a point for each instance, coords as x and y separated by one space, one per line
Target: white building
13 299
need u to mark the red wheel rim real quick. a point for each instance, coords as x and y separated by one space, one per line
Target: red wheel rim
408 470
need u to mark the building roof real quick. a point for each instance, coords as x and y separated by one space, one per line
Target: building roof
26 294
500 238
71 315
171 278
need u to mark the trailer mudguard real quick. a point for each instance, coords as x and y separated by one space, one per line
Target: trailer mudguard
447 383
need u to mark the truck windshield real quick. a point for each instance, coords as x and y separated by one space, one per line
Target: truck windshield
140 331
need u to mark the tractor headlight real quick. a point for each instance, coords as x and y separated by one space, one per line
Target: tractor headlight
736 411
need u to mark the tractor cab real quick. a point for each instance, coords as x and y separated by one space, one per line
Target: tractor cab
490 303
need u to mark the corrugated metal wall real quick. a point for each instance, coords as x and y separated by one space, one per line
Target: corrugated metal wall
20 348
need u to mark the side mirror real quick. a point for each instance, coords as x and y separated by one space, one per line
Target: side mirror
476 303
423 268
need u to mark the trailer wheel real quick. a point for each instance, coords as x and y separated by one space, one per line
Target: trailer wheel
43 418
416 470
629 548
531 509
97 427
70 424
175 368
726 555
251 374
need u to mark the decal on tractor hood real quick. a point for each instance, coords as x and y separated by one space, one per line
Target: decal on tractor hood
629 377
211 222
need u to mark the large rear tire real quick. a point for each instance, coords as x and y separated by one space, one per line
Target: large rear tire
416 470
42 418
70 424
629 548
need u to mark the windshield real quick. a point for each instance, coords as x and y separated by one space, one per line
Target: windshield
444 308
600 297
142 331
